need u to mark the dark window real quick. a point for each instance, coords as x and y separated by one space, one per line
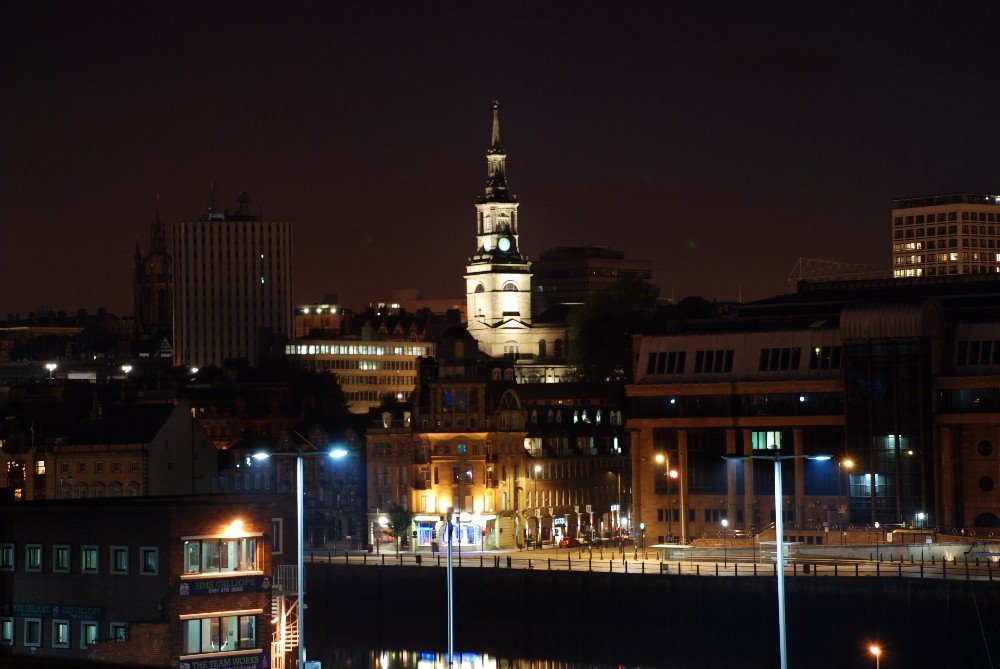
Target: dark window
986 484
984 448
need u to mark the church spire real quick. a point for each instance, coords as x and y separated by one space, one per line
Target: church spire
495 139
496 163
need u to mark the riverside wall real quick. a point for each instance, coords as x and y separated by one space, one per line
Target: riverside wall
651 621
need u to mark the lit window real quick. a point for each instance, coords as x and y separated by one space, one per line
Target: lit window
7 557
88 559
6 631
40 467
33 557
119 559
220 634
119 631
88 633
60 558
149 560
60 634
220 555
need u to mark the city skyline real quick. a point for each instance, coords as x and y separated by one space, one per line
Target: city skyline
721 143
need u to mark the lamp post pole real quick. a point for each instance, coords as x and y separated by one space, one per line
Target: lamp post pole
300 558
300 579
779 535
451 594
725 526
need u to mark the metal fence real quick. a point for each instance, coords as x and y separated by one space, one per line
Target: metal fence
635 563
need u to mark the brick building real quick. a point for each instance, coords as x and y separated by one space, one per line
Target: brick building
168 581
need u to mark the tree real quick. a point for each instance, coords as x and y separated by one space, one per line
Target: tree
601 330
400 521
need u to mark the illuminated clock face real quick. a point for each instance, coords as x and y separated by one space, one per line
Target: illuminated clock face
504 244
486 244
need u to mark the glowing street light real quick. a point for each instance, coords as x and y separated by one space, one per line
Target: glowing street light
126 369
877 652
336 454
51 366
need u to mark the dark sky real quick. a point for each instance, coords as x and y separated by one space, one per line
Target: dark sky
721 140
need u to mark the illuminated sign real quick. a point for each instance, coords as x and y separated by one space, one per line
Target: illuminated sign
225 585
255 661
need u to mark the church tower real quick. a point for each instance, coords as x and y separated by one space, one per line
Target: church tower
498 276
153 285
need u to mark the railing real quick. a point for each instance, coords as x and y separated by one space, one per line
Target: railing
285 578
631 561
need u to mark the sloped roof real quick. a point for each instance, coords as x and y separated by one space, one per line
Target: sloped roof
125 424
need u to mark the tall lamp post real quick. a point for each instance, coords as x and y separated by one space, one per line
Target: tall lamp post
538 518
336 454
51 366
672 474
725 526
779 530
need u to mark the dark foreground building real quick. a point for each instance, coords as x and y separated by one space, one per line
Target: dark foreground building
151 581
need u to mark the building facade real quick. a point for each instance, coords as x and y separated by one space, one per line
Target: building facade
233 287
897 381
516 466
957 233
162 581
570 275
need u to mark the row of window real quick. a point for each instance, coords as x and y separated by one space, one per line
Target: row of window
931 245
771 359
81 467
211 556
60 559
60 634
355 349
219 634
953 256
977 353
920 219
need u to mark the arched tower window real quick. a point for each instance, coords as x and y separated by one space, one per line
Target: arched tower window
479 288
510 287
541 348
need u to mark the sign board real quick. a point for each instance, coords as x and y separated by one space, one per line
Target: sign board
254 661
589 510
616 507
229 585
559 521
57 611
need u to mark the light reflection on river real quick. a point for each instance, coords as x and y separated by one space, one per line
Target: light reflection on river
403 659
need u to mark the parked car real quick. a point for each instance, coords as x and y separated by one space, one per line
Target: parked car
569 542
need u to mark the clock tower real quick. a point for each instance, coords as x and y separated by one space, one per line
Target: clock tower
498 276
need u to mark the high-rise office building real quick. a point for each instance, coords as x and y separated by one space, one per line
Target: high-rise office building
573 274
233 279
957 233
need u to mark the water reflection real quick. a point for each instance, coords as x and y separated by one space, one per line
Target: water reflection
406 659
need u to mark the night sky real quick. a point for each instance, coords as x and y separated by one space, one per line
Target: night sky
720 140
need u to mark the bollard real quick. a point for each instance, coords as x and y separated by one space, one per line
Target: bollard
383 559
480 561
550 564
834 568
439 560
944 569
611 566
508 562
419 558
901 569
856 569
697 570
364 559
590 563
716 568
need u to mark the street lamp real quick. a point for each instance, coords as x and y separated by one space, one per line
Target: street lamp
779 530
725 526
126 369
538 518
51 366
846 465
877 652
336 454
